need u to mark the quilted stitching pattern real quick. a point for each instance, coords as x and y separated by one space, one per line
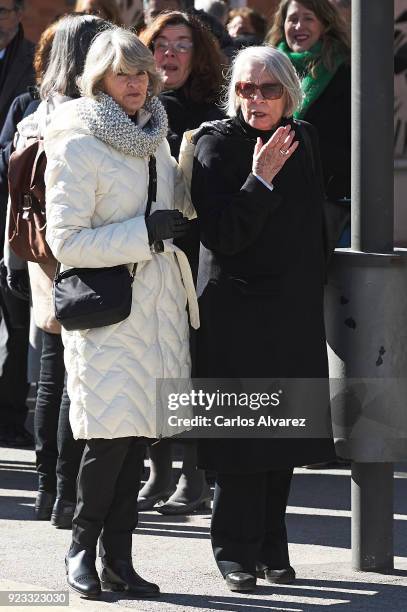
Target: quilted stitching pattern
96 199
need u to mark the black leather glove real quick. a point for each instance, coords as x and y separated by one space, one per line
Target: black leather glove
164 224
18 283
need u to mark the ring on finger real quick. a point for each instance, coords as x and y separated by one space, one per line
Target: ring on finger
284 151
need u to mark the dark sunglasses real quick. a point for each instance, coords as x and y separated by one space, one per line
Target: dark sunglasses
269 91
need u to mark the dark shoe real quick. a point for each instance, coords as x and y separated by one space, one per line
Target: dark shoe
43 505
120 575
180 503
16 436
62 514
3 435
81 574
242 582
148 503
278 576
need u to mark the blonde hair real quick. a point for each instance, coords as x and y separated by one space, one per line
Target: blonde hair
277 65
118 50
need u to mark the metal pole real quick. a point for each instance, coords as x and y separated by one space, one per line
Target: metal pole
372 231
372 125
372 516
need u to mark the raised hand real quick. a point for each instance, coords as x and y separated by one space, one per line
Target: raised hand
269 158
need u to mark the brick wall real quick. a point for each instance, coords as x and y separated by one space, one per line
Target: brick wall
266 7
38 15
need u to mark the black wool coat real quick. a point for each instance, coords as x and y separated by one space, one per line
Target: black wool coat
183 115
273 242
16 72
330 114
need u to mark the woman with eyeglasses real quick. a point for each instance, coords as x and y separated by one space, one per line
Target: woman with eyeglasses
188 57
190 62
259 204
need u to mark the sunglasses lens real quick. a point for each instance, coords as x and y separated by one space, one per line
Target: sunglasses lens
271 91
245 90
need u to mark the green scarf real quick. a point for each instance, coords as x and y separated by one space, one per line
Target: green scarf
312 87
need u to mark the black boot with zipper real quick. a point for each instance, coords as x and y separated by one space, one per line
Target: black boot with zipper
120 575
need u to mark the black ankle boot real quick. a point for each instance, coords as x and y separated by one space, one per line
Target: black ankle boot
120 575
81 574
62 513
43 505
192 493
159 487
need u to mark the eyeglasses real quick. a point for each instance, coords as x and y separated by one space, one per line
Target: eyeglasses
269 91
5 12
181 46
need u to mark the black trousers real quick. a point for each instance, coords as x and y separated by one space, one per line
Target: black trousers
14 331
248 521
108 484
58 455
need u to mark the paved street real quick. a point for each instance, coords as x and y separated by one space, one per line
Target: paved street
175 552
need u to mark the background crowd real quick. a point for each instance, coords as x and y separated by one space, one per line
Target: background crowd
192 51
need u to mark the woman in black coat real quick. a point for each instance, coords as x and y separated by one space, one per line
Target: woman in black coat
190 62
259 207
315 38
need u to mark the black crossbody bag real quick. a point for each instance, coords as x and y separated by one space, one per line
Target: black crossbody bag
85 298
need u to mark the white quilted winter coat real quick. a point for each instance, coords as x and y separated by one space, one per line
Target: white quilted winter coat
96 198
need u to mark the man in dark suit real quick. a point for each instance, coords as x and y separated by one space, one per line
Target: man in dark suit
16 74
16 56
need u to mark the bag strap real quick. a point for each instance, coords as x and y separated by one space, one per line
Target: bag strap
151 197
152 185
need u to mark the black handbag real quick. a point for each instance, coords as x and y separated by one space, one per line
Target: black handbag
86 298
336 214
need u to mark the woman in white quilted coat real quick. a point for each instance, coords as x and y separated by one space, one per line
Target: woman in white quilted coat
98 150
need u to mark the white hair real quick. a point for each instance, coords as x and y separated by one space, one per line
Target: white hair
276 64
216 8
119 50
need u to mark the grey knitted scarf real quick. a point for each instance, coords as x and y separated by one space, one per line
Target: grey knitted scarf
108 121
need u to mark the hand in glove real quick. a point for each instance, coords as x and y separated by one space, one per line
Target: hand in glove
18 283
164 224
